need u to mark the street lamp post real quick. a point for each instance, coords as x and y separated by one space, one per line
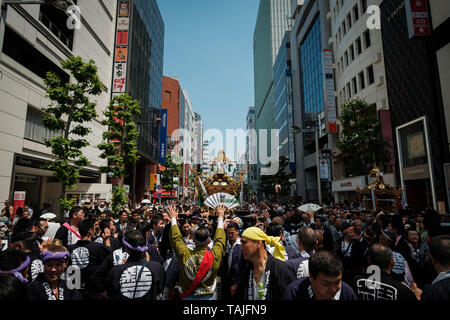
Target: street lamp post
62 5
298 130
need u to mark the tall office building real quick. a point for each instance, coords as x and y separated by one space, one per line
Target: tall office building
198 142
36 39
313 95
251 151
416 61
271 25
360 72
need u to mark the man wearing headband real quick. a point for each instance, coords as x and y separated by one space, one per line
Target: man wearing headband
199 267
49 285
139 278
15 262
265 277
88 255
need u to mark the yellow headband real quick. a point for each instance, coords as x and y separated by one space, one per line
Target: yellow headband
255 233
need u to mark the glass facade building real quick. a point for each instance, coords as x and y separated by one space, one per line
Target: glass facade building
311 73
146 71
283 101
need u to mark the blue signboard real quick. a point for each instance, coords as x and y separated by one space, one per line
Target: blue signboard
163 137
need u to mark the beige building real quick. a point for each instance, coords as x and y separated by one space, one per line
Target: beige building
359 72
36 40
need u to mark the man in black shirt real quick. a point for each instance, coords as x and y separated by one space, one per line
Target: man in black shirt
383 288
440 257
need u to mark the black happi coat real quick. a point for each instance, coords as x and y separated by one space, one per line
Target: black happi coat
388 289
63 234
36 266
136 279
298 290
440 290
37 291
280 278
88 256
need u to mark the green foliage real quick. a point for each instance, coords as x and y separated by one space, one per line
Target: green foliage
361 139
267 183
120 198
69 110
173 170
120 146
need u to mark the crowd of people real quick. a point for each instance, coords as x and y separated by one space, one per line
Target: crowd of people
260 251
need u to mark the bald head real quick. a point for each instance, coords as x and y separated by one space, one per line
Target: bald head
278 220
307 238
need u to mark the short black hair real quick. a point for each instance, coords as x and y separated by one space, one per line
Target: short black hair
397 223
85 226
74 210
274 229
233 225
307 238
37 222
440 249
11 259
380 255
12 288
135 238
104 223
324 262
155 219
201 234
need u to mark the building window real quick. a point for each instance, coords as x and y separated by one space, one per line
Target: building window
358 46
346 59
343 28
367 38
356 12
56 21
349 93
355 87
342 64
364 6
362 82
35 130
370 75
349 21
352 53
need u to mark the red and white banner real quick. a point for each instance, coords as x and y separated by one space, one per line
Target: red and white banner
417 18
328 88
186 175
19 202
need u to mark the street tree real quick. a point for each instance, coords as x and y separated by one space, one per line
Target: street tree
70 109
120 143
172 170
361 139
268 182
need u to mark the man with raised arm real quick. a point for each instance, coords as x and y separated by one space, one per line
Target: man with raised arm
198 267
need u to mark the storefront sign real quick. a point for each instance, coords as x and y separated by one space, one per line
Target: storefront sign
419 172
119 81
19 201
186 175
417 18
329 95
349 184
163 137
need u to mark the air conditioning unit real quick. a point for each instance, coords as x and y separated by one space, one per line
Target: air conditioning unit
379 57
331 41
380 81
329 15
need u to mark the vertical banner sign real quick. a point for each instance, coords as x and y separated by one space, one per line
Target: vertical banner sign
19 202
147 178
186 175
417 18
119 81
163 137
328 87
324 169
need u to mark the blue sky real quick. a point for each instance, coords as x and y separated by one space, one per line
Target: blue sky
209 47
